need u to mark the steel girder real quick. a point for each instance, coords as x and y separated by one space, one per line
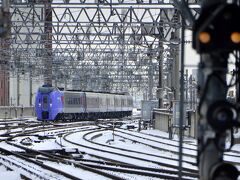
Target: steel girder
113 37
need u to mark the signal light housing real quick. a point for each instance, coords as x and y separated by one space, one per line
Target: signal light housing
222 115
223 170
217 29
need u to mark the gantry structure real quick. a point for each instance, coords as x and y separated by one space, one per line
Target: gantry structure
107 45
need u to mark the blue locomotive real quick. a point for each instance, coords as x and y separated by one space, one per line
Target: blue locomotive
54 104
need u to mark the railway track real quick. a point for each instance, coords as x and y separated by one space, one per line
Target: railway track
30 168
39 156
172 144
48 129
134 157
121 169
61 130
35 131
189 160
113 162
194 145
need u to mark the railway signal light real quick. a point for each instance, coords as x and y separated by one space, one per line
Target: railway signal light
235 37
217 29
216 34
204 37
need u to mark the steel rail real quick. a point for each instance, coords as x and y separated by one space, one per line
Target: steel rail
128 156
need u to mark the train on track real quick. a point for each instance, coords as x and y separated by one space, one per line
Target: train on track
55 104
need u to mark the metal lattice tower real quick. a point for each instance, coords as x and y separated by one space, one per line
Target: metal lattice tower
103 45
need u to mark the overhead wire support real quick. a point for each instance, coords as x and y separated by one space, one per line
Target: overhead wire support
185 11
71 19
48 43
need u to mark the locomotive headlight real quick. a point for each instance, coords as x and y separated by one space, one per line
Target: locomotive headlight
50 104
222 115
39 104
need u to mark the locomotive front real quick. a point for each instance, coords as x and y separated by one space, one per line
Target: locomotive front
48 103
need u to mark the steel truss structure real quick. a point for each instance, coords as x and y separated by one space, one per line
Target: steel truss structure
102 45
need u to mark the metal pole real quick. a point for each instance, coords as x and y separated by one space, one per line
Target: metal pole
175 66
237 65
191 92
150 74
160 76
181 100
160 65
18 88
30 87
48 42
186 88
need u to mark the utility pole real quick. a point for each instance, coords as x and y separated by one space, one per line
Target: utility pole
48 43
160 66
186 88
18 87
30 87
217 115
191 88
160 78
175 49
150 74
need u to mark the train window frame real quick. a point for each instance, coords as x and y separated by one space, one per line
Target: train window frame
45 104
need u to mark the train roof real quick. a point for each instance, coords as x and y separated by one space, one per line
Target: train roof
103 92
48 89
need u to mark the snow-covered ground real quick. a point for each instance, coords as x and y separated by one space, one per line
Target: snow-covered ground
111 140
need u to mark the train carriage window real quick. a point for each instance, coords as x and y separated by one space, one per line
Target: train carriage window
75 100
45 102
